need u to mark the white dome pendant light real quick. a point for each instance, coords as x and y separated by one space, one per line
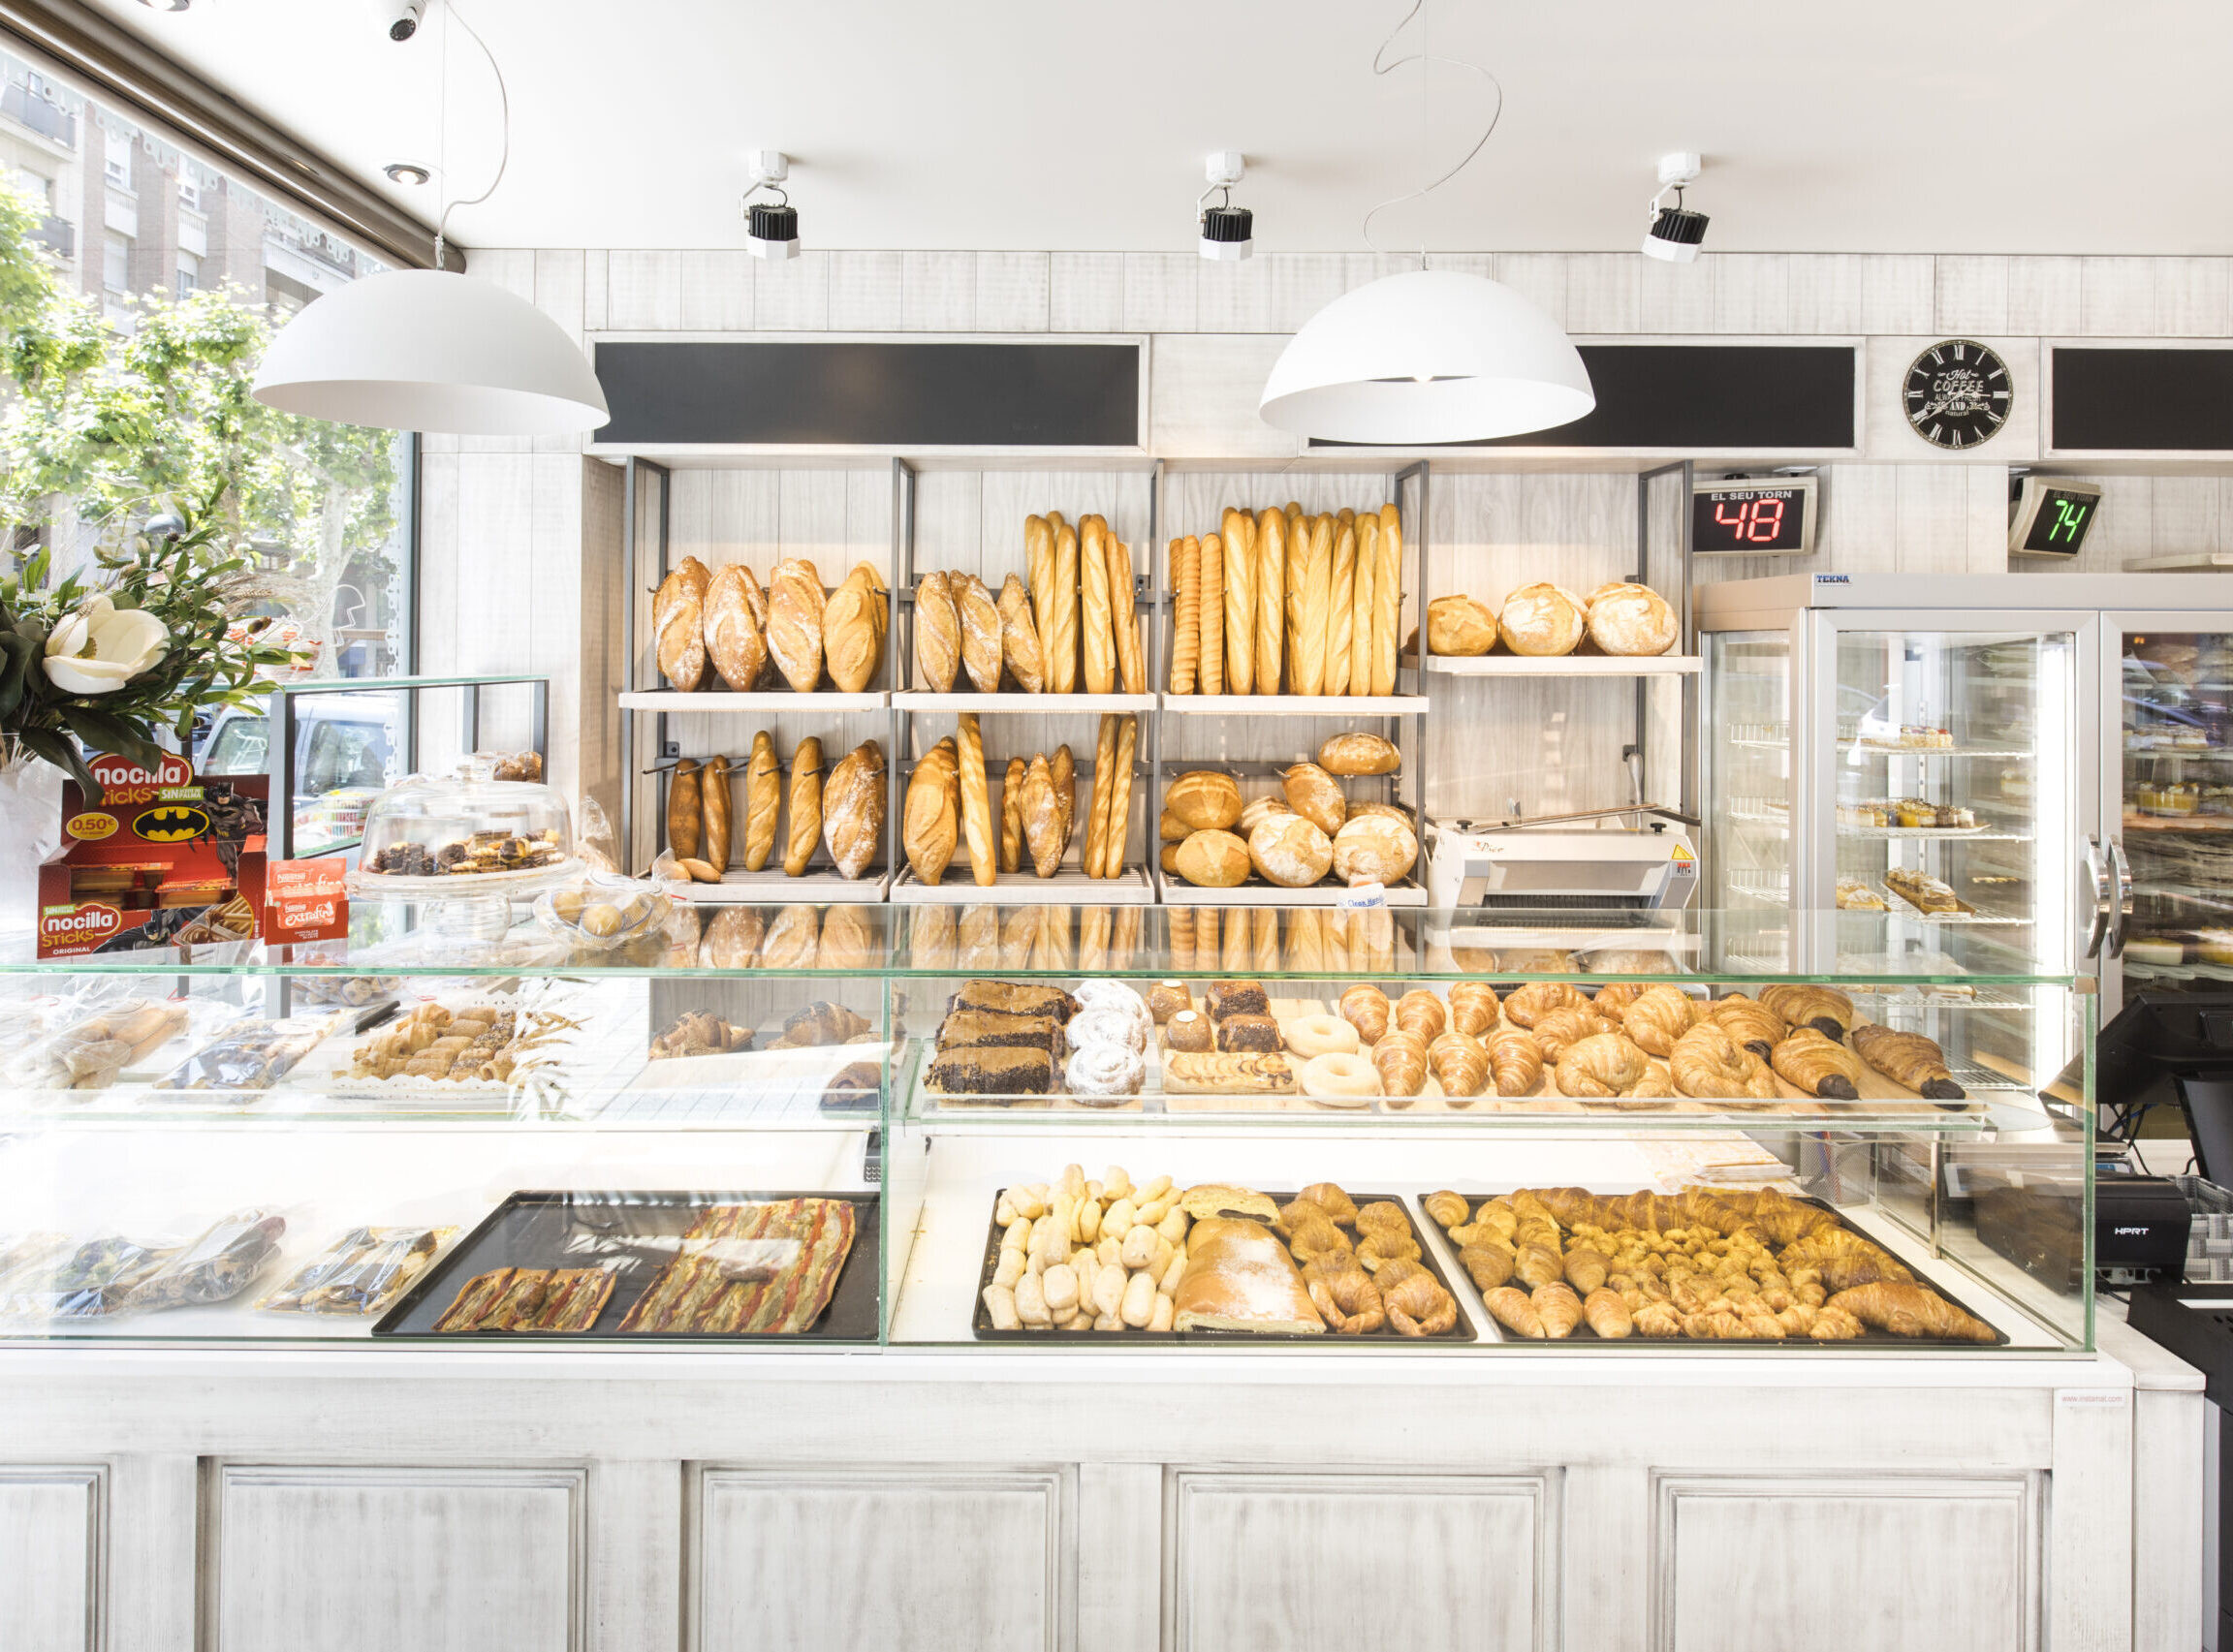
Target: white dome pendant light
1432 356
431 351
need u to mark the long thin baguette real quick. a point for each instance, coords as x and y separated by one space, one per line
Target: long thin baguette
1306 668
1097 629
714 802
1124 617
1387 600
1097 805
1186 620
1213 612
1341 593
1039 565
1120 825
685 820
975 798
805 806
1012 815
1360 614
762 799
1240 534
1271 598
1060 645
1062 769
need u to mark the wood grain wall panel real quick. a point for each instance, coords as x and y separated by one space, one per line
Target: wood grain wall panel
810 523
1967 1554
350 1559
1160 292
1263 1563
816 1561
1604 293
644 291
1203 391
2043 295
1301 284
2116 297
938 291
604 644
54 1549
868 292
2190 297
1972 294
1826 295
1675 297
511 268
557 603
716 290
1752 294
558 287
2185 513
596 307
1539 277
1235 297
1085 291
1895 294
792 295
1012 291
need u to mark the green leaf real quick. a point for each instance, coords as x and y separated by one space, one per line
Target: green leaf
63 755
110 733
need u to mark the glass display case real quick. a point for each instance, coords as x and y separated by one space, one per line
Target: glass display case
851 1128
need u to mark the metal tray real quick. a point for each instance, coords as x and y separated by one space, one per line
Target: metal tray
579 1229
981 1320
1870 1337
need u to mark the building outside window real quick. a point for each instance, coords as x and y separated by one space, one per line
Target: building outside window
115 261
116 155
189 273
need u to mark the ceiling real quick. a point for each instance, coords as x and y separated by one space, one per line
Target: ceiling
1894 125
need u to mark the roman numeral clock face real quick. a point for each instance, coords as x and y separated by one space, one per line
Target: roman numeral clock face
1958 395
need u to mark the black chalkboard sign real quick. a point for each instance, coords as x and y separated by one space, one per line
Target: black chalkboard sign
2141 400
1761 397
880 393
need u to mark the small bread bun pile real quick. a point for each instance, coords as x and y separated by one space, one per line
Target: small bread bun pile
1214 840
1543 620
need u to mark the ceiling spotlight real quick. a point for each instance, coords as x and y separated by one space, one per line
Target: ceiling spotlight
407 173
770 227
1674 233
1228 231
166 5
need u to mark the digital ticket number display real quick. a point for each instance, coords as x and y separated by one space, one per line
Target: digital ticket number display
1753 519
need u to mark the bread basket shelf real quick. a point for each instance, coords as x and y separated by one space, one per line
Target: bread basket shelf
1295 704
1068 887
1565 664
1177 891
1019 705
676 702
821 886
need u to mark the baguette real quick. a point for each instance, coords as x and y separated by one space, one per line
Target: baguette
1342 592
1097 627
795 605
1039 565
981 630
713 809
1020 637
1098 803
1131 663
1387 600
685 820
1360 611
937 634
1271 598
805 807
679 624
1186 618
1041 817
762 799
1210 634
1240 534
853 631
1059 643
1012 815
733 639
1311 575
928 827
1062 771
1119 828
976 799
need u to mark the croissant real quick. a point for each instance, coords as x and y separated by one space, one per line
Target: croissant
1515 1061
1909 1059
1382 1248
1365 1008
1514 1311
1558 1307
1659 1016
1488 1264
1606 1314
1752 1024
1557 1031
1603 1065
1524 1005
1418 1306
1460 1064
1472 1006
1537 1264
1401 1060
1496 1216
1706 1061
1421 1012
1349 1302
1586 1269
1825 1009
1334 1199
1446 1207
1613 999
1910 1310
1817 1065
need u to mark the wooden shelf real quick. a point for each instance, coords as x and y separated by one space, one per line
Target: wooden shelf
769 887
1068 887
1177 891
1295 704
1565 664
1021 705
773 699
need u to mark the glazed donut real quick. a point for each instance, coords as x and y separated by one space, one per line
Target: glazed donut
1320 1035
1340 1079
1108 1025
1097 1070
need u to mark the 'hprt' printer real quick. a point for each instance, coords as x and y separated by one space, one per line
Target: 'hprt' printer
1474 867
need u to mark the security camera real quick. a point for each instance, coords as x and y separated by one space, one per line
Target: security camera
403 17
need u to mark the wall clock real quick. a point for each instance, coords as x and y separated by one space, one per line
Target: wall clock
1958 395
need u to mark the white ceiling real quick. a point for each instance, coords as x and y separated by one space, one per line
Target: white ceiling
1848 125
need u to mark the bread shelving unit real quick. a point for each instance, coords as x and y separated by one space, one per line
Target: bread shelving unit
668 702
1566 665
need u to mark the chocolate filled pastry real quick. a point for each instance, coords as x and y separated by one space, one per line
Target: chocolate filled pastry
1014 998
1752 1024
1245 1033
976 1029
1228 1074
1824 1009
1909 1059
1224 998
1817 1065
992 1071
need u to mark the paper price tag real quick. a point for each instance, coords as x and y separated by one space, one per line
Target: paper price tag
1363 897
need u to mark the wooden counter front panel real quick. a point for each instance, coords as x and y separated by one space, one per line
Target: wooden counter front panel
54 1541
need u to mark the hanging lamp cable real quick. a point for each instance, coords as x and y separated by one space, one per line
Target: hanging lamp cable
1425 58
504 104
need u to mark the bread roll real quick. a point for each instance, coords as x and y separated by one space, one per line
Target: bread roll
1387 601
795 605
1204 798
714 813
853 809
976 799
1271 598
1097 625
1239 533
1460 627
1212 621
805 807
937 634
1058 641
686 817
1186 615
1310 584
1631 619
1374 849
1213 859
851 636
1360 612
1124 617
1012 815
927 827
1316 795
733 640
981 630
1020 637
1042 819
1541 620
679 624
763 801
1290 850
1341 594
1358 754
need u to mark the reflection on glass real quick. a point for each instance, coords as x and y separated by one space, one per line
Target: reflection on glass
2178 809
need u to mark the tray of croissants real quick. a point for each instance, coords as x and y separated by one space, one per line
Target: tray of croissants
1074 1260
1702 1265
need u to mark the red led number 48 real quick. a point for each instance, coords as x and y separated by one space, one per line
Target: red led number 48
1756 521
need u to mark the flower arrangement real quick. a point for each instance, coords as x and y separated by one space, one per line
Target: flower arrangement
118 653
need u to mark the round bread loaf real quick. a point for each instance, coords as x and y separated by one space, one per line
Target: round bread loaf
1206 798
1631 619
1216 859
1290 850
1358 754
1391 811
1459 625
1317 797
1373 848
1260 810
1542 619
1168 858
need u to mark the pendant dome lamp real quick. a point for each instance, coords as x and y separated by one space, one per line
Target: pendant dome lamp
430 350
1430 355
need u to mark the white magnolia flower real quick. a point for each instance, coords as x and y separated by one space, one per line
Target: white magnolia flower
101 647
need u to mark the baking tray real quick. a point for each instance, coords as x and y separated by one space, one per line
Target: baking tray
981 1320
534 1230
1870 1337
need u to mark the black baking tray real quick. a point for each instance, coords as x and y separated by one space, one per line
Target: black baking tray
544 1228
981 1320
1870 1337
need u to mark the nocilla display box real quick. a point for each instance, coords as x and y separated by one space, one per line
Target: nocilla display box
162 858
